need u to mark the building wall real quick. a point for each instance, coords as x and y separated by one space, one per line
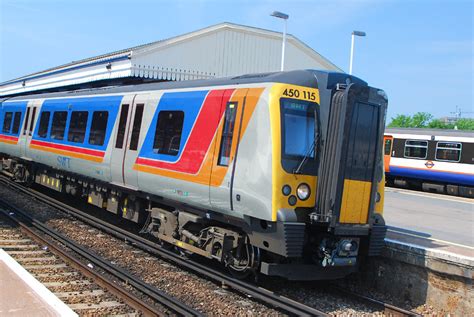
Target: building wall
228 52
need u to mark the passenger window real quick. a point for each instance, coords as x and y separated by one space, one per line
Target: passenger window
33 117
98 127
44 123
25 126
137 124
16 123
388 146
122 126
168 132
59 125
77 126
227 134
416 149
7 122
448 151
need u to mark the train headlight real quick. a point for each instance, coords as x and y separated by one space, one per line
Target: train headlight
286 190
292 200
303 191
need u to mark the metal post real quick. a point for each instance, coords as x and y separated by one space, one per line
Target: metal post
352 54
283 48
354 33
285 17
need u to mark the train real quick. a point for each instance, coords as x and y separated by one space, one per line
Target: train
434 160
278 174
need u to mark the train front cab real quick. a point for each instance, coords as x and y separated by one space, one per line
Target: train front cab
341 169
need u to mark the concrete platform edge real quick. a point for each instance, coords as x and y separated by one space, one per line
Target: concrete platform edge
61 308
437 260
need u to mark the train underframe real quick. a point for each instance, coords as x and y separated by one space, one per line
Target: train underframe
292 250
431 186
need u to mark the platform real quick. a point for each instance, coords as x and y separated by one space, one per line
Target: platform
22 295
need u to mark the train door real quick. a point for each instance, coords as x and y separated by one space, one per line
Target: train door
26 133
118 149
226 152
387 151
127 141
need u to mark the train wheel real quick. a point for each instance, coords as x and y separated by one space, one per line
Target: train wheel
246 265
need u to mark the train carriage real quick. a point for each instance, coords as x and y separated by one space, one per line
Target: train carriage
435 160
278 173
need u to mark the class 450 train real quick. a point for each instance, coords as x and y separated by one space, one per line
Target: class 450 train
434 160
278 174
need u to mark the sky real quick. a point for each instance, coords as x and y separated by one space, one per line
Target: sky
420 52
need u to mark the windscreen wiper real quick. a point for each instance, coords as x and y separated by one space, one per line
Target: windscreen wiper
306 156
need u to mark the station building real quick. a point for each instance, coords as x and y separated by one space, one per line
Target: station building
220 50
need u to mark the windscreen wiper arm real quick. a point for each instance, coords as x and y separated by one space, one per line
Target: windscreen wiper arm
306 156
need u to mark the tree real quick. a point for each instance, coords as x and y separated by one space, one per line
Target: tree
421 119
438 124
465 124
401 121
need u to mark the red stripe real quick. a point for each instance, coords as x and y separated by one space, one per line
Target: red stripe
68 148
7 137
201 135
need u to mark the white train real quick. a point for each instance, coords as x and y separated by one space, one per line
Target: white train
277 173
434 159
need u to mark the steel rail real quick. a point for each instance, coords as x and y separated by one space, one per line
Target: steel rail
157 295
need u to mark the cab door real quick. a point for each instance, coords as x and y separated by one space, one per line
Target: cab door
226 153
388 142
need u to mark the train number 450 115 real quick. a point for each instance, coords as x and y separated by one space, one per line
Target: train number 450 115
296 93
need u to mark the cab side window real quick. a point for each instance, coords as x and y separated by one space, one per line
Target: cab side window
227 134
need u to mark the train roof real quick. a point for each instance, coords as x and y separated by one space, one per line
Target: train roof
435 132
308 78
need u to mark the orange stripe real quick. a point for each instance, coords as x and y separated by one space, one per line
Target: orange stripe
8 141
431 170
68 153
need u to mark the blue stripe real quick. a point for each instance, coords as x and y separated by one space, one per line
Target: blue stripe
445 177
188 102
90 104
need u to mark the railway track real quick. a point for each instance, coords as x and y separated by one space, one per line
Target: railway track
266 296
88 272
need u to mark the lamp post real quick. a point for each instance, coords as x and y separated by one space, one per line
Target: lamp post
285 17
354 34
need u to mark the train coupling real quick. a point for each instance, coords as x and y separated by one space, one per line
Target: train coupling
339 252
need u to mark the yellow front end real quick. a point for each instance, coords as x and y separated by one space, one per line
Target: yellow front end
280 177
